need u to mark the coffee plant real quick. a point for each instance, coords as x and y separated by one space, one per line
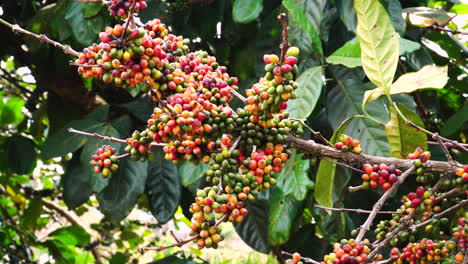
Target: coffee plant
221 125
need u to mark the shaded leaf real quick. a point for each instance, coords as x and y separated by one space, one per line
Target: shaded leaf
310 86
246 11
378 41
192 174
173 260
254 229
21 155
163 188
85 30
76 189
404 139
30 217
120 195
455 122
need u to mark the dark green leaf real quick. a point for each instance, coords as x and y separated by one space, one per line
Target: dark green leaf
455 122
347 14
91 9
72 235
85 30
173 260
76 189
120 195
119 258
283 211
122 124
163 188
293 179
254 229
300 18
61 252
395 12
21 155
246 11
142 108
310 86
29 219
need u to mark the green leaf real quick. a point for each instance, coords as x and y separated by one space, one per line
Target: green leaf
408 46
85 30
120 195
345 101
91 9
425 16
72 235
395 11
254 229
173 260
246 11
283 211
325 177
455 122
347 14
11 111
429 76
141 108
402 138
94 180
293 179
76 189
61 252
310 86
378 41
29 219
349 55
21 155
192 174
122 124
299 17
163 188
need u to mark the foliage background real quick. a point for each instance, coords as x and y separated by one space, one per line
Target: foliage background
42 96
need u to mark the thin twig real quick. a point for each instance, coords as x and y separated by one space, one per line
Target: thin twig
465 258
234 145
174 236
16 28
359 211
284 46
355 188
182 242
238 95
316 134
441 214
444 148
453 192
129 20
453 31
303 259
96 135
124 156
366 226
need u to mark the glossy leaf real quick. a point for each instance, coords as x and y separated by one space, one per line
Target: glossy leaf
402 138
85 30
21 154
163 188
310 87
120 195
325 177
283 211
293 179
76 189
246 11
299 17
378 41
192 174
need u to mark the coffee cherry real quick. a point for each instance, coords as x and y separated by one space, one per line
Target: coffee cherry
382 175
104 161
346 143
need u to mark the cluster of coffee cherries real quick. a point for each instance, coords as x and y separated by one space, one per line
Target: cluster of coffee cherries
209 207
463 173
139 145
424 251
349 251
419 157
121 7
379 175
347 143
269 96
460 233
104 161
140 55
295 259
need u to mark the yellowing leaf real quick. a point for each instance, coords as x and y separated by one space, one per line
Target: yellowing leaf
378 41
402 138
427 77
425 16
371 95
